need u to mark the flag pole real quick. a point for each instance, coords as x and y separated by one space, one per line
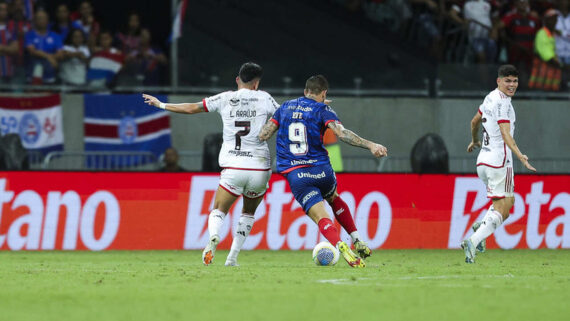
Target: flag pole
174 51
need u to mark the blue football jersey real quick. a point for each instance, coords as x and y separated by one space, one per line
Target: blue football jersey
302 123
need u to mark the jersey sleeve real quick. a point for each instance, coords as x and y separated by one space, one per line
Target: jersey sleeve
272 105
328 115
213 103
502 112
276 118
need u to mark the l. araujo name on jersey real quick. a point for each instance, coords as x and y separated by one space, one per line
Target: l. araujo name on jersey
243 112
302 123
496 109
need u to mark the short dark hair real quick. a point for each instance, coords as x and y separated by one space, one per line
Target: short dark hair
508 70
250 71
317 84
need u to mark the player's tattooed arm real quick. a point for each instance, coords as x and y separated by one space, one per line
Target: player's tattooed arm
267 131
349 137
185 108
475 124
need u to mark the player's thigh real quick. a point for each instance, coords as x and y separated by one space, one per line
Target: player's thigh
304 190
317 212
257 183
499 181
233 181
326 182
255 189
504 205
224 200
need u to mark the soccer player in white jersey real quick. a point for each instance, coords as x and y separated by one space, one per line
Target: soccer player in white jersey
495 160
245 160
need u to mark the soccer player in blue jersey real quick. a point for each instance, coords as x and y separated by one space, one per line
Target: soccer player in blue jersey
303 160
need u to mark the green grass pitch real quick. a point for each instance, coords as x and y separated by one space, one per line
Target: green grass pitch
284 285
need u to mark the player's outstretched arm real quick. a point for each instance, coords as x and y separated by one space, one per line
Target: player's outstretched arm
510 141
349 137
267 131
475 124
185 108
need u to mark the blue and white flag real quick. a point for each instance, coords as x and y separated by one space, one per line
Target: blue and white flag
178 20
124 123
37 120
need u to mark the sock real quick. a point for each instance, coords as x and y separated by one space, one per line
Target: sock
343 216
489 224
329 231
215 221
355 236
244 227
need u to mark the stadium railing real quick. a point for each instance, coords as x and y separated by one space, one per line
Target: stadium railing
101 161
35 159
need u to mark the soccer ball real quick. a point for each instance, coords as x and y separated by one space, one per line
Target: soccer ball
325 254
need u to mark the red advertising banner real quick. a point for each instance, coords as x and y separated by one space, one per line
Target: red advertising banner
131 211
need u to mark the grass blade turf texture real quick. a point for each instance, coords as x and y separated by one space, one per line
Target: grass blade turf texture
284 285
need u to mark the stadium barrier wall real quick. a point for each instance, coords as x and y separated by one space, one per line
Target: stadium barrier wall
395 122
144 211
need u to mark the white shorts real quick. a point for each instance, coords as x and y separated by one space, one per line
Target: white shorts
500 181
249 183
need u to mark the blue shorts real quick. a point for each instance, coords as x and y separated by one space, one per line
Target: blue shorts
311 185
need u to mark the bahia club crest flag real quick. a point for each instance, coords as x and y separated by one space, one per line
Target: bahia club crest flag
37 120
123 123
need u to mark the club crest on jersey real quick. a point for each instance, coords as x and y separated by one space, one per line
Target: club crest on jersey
234 102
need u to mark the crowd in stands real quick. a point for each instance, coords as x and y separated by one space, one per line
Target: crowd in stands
65 45
533 35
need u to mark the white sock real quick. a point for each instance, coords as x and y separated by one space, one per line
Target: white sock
355 236
489 224
244 227
215 221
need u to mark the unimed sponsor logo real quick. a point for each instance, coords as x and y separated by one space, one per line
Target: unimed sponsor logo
301 233
36 219
539 208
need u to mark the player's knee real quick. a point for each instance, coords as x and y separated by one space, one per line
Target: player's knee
331 198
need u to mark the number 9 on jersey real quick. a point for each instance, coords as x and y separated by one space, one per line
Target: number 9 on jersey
298 138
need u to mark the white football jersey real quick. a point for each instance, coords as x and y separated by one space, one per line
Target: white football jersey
496 109
244 112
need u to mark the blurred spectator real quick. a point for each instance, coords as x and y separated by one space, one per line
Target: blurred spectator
62 24
74 57
8 46
563 36
106 62
22 9
429 35
391 13
19 26
171 161
521 27
44 48
477 15
146 63
546 73
87 23
129 40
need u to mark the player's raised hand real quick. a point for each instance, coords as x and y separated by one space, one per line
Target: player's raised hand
151 100
524 160
378 150
472 146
